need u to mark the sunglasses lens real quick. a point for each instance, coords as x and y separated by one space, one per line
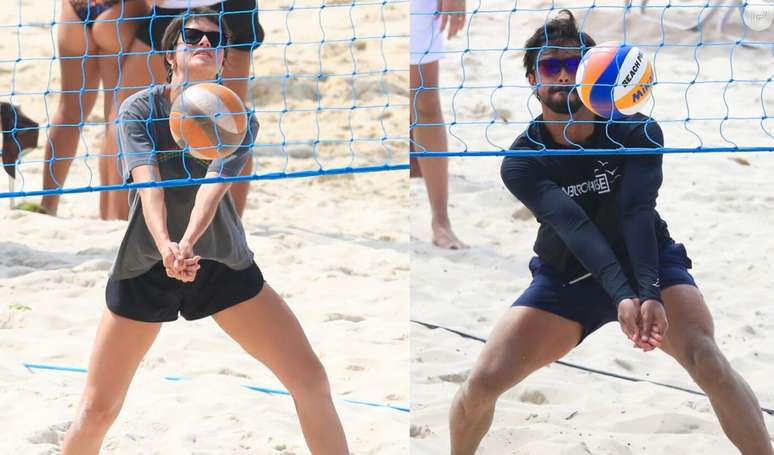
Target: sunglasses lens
192 36
572 64
214 38
550 66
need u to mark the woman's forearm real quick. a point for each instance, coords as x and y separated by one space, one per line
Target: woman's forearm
206 205
155 213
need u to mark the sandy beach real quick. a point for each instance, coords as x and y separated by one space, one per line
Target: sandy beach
718 204
335 247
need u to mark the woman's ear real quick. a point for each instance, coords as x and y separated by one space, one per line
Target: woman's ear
170 58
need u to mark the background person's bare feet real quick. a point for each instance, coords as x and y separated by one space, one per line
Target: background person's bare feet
443 237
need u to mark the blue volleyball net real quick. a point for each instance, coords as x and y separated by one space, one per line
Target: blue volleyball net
713 60
328 85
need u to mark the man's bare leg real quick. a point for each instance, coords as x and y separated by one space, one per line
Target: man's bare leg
524 340
690 340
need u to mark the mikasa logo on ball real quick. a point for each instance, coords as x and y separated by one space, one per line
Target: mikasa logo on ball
643 90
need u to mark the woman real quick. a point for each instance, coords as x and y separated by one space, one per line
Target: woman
428 131
157 274
144 64
89 39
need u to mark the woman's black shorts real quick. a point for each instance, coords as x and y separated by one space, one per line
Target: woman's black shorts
241 16
155 297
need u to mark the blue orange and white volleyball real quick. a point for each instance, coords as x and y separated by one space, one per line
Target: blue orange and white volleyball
614 79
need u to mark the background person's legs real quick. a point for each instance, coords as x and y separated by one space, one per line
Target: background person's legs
238 68
119 347
690 340
524 340
79 79
113 205
114 37
425 108
267 329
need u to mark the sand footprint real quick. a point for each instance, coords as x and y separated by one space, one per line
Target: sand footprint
533 396
345 317
54 434
455 378
420 431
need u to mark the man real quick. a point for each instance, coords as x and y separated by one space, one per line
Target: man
603 253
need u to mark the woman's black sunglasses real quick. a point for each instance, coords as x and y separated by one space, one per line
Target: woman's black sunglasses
194 36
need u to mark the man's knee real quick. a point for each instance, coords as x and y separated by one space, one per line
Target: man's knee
485 385
706 363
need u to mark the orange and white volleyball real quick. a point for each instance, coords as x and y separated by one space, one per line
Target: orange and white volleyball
615 79
208 120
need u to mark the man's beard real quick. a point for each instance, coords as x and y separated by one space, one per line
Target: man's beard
560 104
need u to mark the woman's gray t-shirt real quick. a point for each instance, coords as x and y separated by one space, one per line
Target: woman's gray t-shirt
145 139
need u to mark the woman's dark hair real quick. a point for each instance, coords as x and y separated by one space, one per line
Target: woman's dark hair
172 33
561 30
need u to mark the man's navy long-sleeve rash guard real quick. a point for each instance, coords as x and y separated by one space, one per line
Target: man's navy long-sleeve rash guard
597 213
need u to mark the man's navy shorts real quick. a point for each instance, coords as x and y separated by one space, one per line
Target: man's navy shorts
584 301
155 297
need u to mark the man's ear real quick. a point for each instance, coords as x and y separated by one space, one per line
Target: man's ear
533 82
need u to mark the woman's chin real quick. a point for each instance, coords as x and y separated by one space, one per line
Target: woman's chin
201 76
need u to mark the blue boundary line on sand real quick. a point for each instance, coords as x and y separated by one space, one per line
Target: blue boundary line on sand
266 390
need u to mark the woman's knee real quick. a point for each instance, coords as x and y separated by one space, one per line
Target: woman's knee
96 416
426 106
313 381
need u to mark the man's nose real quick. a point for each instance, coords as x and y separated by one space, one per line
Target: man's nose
565 75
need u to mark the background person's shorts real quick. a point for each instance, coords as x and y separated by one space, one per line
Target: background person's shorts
240 15
585 301
155 297
425 36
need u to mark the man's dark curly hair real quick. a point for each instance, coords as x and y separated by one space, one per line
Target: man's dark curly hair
561 30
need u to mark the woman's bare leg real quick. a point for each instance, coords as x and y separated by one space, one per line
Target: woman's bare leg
111 368
425 108
267 329
113 205
77 75
113 39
